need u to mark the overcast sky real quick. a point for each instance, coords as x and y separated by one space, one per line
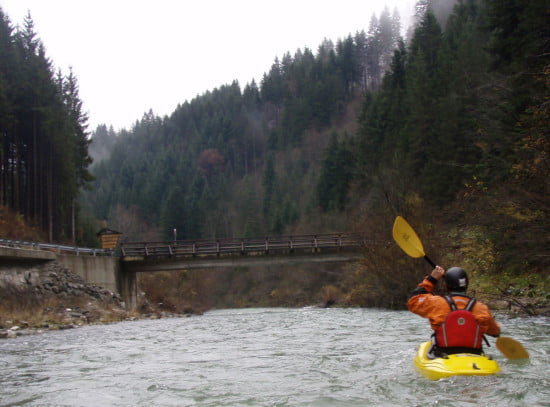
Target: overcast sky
131 55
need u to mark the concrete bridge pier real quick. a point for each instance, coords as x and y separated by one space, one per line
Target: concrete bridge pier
127 287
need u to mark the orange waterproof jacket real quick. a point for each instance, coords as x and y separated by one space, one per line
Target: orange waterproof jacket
436 308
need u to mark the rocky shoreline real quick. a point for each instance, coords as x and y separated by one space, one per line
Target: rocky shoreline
23 329
36 298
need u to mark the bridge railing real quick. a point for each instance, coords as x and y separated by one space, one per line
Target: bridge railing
181 248
56 248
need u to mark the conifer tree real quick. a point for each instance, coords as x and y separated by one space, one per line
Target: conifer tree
269 180
43 152
336 176
173 215
425 88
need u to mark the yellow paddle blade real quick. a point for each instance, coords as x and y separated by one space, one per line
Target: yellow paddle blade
511 348
407 239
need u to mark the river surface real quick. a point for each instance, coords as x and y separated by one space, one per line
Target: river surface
262 357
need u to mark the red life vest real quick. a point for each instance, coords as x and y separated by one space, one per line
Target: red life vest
460 328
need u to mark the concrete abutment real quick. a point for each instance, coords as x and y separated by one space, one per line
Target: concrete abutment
105 271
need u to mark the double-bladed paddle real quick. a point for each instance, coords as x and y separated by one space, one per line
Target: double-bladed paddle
407 239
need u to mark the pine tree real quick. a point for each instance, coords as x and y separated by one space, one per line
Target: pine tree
269 181
374 51
336 176
173 216
425 88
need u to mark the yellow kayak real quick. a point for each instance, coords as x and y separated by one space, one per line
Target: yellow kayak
468 364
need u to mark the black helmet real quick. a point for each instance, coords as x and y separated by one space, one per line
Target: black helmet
456 279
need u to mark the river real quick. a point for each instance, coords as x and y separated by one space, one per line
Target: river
261 357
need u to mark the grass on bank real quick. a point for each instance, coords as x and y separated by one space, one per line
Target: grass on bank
27 310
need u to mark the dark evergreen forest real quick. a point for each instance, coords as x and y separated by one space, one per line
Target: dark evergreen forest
43 134
447 127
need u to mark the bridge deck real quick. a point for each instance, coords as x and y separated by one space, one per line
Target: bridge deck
240 246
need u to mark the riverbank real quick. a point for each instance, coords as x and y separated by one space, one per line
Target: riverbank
48 296
71 320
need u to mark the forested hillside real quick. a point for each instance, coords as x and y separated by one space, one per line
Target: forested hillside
455 134
448 127
252 161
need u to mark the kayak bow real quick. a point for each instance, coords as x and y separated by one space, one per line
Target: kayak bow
460 364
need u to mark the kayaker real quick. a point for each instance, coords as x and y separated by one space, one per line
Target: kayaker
454 332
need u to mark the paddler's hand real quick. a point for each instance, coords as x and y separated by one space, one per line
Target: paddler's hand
438 272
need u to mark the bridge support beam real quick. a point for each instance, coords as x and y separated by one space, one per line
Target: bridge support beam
203 262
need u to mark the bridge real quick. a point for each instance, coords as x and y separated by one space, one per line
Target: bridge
117 270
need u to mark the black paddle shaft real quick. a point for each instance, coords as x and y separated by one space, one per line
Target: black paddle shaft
429 261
